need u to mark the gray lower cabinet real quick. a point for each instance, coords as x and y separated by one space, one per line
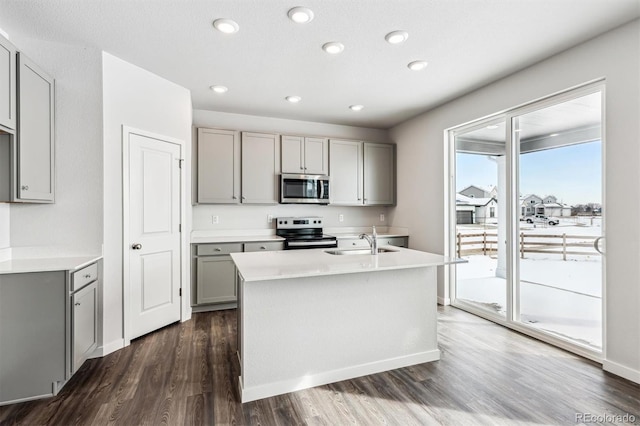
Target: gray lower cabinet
48 328
356 242
215 277
84 315
33 335
215 273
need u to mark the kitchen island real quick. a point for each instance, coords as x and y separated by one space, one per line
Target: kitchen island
309 317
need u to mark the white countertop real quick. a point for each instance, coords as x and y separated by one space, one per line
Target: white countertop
46 264
350 235
264 266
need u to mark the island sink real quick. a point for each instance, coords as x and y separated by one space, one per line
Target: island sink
359 251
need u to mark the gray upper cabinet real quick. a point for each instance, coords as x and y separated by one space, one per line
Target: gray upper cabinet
218 164
345 159
35 147
305 155
7 85
260 168
379 170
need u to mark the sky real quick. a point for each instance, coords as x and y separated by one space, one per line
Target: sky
572 173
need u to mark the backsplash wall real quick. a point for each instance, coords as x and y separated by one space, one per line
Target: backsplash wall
241 217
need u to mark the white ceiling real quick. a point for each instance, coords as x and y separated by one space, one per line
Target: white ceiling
467 43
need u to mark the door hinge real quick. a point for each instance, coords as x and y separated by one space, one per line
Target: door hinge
179 227
180 160
180 292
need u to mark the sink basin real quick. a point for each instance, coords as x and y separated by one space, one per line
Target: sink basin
358 251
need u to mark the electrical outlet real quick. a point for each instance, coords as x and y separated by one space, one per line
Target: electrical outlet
269 218
340 218
381 217
215 219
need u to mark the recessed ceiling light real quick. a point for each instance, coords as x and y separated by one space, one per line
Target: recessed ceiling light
219 89
397 37
300 15
553 134
417 65
356 107
293 99
333 47
492 126
226 26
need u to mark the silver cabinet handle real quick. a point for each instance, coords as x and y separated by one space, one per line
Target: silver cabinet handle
244 198
87 276
218 249
235 198
136 246
77 303
263 248
25 187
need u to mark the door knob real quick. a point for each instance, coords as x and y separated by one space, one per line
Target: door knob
136 246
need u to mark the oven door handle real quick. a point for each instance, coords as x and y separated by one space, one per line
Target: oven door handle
309 243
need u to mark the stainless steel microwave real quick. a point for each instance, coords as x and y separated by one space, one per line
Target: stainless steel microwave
304 189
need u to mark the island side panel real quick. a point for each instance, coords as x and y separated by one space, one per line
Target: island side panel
304 332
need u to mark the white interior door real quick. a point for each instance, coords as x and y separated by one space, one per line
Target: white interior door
154 233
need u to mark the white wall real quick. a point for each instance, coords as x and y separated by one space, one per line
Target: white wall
73 225
614 56
139 99
255 217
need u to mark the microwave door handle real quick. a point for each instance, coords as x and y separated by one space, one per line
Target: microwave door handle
321 183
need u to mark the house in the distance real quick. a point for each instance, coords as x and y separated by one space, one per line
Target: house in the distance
549 206
475 204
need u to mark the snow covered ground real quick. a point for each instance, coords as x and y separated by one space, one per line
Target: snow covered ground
562 297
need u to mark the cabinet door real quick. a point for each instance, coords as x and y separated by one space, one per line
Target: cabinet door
345 169
35 133
84 305
218 162
215 280
292 154
260 168
378 174
316 156
7 84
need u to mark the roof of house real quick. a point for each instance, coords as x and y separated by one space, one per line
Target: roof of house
463 200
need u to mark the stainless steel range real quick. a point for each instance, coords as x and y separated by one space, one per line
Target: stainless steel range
304 233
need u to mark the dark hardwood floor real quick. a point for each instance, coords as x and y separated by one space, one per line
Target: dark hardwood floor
187 374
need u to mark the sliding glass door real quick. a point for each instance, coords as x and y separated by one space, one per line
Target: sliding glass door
480 217
560 176
526 199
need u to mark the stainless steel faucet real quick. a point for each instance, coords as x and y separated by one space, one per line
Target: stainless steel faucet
372 240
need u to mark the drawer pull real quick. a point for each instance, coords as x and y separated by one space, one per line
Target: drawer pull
218 249
77 303
25 187
136 246
87 276
263 248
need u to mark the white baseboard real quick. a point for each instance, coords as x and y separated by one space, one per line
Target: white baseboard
278 388
621 370
108 348
444 301
31 398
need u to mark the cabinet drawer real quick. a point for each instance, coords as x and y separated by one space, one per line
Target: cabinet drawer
352 243
393 241
264 246
218 249
84 276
